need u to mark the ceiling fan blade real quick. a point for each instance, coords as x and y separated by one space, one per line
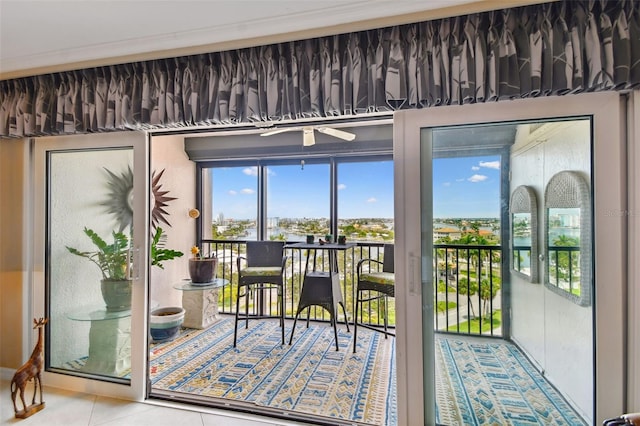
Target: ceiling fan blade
277 131
308 138
337 133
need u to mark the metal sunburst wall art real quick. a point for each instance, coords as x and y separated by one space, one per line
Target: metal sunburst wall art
160 200
120 198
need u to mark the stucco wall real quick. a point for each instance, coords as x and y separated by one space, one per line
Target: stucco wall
555 332
167 153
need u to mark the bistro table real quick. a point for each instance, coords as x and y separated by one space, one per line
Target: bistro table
200 302
321 288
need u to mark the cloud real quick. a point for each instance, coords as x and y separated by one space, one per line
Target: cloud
372 200
248 191
475 168
490 164
342 186
250 171
446 184
460 180
477 178
232 192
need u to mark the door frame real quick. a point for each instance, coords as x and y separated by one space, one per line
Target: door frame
633 213
139 142
415 346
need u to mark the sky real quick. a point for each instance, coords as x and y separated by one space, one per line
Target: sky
463 187
466 187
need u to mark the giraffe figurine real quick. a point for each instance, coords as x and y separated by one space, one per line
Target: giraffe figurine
30 370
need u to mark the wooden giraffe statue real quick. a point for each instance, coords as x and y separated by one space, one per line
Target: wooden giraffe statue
30 370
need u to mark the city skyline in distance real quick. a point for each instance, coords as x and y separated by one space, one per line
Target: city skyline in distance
465 187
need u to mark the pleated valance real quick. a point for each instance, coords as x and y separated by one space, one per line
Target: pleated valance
539 50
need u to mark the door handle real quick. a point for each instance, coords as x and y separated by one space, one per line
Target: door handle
133 261
414 287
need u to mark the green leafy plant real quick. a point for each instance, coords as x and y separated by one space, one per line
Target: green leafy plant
160 254
111 258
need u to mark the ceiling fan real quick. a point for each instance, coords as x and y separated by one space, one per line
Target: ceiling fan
308 137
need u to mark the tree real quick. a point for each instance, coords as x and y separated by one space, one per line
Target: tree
468 288
488 291
475 227
567 266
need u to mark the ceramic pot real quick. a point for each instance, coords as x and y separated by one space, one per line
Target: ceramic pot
116 294
203 270
165 323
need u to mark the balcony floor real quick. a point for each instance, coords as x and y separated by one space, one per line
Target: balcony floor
479 380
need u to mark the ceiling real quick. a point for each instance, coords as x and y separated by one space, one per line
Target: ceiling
54 35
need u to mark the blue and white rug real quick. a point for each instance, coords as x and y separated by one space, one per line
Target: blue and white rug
309 376
492 383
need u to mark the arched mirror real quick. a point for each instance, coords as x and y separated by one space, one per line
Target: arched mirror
523 209
568 237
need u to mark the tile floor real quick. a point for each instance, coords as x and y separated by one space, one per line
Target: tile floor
68 408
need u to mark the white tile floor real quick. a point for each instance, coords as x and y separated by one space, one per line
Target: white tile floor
67 408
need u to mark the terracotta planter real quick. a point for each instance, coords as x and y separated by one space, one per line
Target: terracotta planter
116 294
202 270
165 323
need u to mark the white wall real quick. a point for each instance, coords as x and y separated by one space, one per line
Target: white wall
167 152
555 332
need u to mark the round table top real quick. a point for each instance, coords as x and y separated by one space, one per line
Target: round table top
97 314
187 285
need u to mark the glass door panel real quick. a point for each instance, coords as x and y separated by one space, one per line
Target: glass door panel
551 326
95 215
90 273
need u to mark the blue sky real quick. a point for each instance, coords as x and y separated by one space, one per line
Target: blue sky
466 187
463 187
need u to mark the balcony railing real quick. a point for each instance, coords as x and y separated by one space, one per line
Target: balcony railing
460 300
564 268
467 293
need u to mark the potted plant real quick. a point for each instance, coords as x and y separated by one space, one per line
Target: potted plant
164 322
202 270
114 262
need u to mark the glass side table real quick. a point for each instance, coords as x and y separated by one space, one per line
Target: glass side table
109 340
200 301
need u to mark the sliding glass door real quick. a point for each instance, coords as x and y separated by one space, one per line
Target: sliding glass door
92 200
594 122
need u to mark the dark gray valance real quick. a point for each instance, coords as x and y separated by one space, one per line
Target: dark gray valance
549 49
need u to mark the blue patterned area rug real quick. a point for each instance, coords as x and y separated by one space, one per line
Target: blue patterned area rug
492 383
309 376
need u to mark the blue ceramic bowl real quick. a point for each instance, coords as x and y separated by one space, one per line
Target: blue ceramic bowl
165 323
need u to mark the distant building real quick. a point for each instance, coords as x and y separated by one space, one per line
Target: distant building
452 233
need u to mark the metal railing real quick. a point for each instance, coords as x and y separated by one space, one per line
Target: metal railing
564 268
464 304
228 251
467 289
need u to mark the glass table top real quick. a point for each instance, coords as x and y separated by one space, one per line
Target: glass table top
96 313
187 285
